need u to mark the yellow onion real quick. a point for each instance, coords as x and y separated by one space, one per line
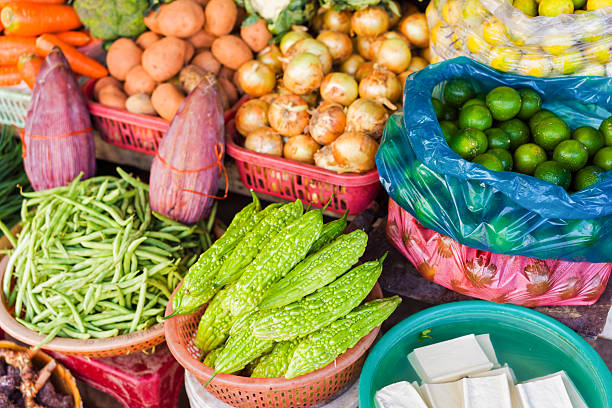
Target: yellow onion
339 45
367 116
417 63
379 39
426 54
251 116
364 70
325 159
318 24
395 18
288 115
364 46
340 88
303 74
414 27
265 140
370 21
271 56
291 38
269 98
381 85
355 151
394 54
339 21
314 47
351 64
402 78
256 78
301 148
327 123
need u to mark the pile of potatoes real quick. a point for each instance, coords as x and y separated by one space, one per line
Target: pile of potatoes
187 38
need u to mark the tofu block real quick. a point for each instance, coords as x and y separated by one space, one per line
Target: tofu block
572 391
486 392
444 395
485 343
544 393
506 370
450 360
399 395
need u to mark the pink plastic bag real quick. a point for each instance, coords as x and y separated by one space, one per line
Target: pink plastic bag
500 278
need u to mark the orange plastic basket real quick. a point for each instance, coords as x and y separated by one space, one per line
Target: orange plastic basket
306 390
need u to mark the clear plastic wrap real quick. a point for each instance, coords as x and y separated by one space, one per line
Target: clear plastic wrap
497 211
502 36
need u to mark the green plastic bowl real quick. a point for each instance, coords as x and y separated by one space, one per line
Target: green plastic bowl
532 343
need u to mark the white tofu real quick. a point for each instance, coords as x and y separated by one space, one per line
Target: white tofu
572 391
485 343
544 393
486 392
450 360
418 389
444 395
509 373
399 395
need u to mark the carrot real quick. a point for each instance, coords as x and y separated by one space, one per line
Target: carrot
29 19
74 38
5 2
9 75
79 62
11 47
28 66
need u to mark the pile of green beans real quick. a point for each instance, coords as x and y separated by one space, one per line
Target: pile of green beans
12 174
93 260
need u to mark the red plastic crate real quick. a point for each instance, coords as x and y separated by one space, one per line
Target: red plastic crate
291 180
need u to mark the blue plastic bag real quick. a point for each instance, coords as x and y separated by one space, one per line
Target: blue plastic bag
497 211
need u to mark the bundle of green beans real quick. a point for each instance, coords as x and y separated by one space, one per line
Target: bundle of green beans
93 260
12 174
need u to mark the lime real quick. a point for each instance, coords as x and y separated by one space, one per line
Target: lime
554 172
549 132
590 137
586 177
529 7
449 113
473 101
504 103
457 91
606 130
475 116
489 161
552 8
603 158
572 154
543 114
570 61
498 138
517 130
527 157
578 4
469 143
531 103
448 129
438 107
504 156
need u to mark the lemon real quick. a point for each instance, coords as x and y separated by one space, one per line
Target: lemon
474 8
475 44
591 26
596 4
552 8
529 7
592 69
494 31
557 44
568 63
598 52
451 12
580 11
535 65
437 34
503 58
578 4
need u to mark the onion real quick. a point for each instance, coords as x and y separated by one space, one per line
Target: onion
303 74
367 116
314 47
378 40
311 98
364 46
288 115
381 85
339 21
394 54
417 64
269 98
364 70
339 87
351 64
317 24
327 123
291 38
256 78
395 18
414 27
251 116
264 140
402 78
339 45
370 21
325 159
355 151
301 148
426 54
271 56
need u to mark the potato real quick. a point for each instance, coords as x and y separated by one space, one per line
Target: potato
190 77
164 59
102 82
201 39
231 51
229 89
167 100
138 81
220 17
189 51
227 73
112 96
122 55
207 62
140 103
151 20
181 18
236 82
256 35
146 39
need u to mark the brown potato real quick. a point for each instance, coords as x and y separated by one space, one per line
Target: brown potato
201 39
229 89
181 18
164 59
146 39
167 100
138 81
189 51
227 73
103 82
140 103
122 55
220 17
256 35
112 96
207 62
231 51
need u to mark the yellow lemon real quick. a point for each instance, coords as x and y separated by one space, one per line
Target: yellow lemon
503 58
529 7
474 8
591 27
592 69
519 35
568 63
595 4
598 52
580 11
436 34
552 8
475 44
557 44
494 31
451 12
538 65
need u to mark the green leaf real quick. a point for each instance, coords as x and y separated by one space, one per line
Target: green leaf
250 20
425 334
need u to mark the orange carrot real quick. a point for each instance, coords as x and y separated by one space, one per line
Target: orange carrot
79 62
29 19
74 38
11 47
28 66
5 2
9 75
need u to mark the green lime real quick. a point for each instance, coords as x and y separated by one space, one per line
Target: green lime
448 129
572 154
549 132
578 4
504 103
606 129
529 7
531 103
586 177
475 116
554 172
590 137
449 113
457 91
603 158
469 143
542 114
438 107
504 156
489 161
527 157
517 130
498 138
473 101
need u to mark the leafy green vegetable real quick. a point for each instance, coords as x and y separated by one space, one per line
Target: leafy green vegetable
296 12
111 19
388 5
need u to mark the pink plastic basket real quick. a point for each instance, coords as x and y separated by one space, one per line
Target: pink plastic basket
291 180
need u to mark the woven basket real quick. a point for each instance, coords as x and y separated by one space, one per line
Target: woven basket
244 392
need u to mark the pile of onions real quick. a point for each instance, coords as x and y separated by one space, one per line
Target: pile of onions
381 85
303 74
327 123
288 115
340 88
265 140
251 116
256 78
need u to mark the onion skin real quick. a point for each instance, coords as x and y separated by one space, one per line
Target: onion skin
325 159
340 88
311 46
417 63
291 38
327 123
381 85
367 116
364 46
394 54
370 21
355 151
414 27
364 70
265 140
339 45
339 21
378 40
301 148
303 74
288 115
351 64
251 116
256 78
269 98
426 54
271 57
